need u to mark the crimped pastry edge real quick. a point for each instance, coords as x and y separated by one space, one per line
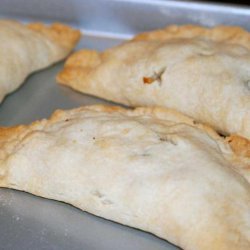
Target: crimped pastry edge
239 146
221 33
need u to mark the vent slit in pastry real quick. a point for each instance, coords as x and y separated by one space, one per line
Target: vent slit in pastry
155 77
147 168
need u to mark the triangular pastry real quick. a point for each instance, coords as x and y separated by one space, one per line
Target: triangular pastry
148 168
202 72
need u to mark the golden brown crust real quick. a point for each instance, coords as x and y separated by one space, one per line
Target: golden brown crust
78 66
229 34
87 58
240 145
63 35
6 133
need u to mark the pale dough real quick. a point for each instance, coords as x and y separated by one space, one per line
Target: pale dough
147 168
201 72
28 48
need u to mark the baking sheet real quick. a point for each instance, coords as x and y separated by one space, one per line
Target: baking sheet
29 222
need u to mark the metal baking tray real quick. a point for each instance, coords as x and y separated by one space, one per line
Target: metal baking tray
29 222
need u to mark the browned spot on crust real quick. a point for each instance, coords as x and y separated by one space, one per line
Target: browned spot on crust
148 80
63 35
78 66
83 58
240 145
155 77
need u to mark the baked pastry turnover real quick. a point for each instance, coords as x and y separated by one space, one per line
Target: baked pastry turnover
28 48
202 72
147 168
